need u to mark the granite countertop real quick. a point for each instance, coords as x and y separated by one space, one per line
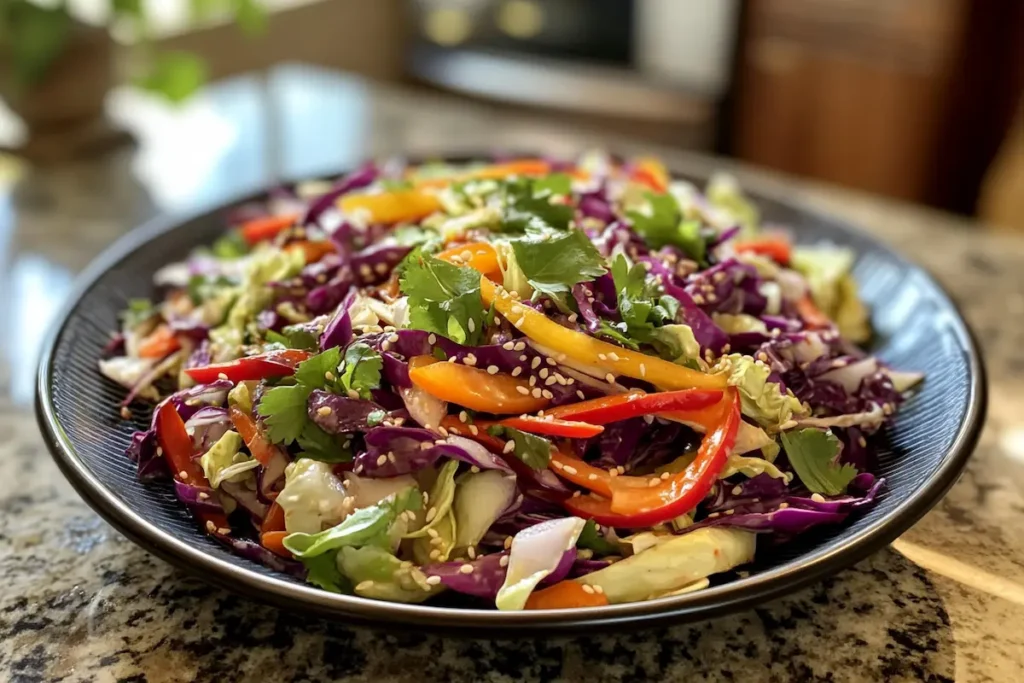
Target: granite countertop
81 603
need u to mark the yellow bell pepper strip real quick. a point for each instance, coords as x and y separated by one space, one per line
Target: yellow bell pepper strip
635 502
479 256
518 167
472 388
159 343
590 351
566 595
268 227
392 207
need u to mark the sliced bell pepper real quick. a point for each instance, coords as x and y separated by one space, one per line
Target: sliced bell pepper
456 426
600 411
566 595
811 314
517 167
252 435
273 364
473 388
159 343
274 542
777 249
479 256
652 173
581 473
268 227
590 351
392 207
634 503
576 429
274 521
312 250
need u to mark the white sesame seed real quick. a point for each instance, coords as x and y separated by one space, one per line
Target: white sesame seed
382 460
557 465
643 370
523 358
329 376
492 369
391 458
203 495
503 560
471 324
535 363
569 469
862 441
581 395
516 371
463 416
817 498
613 472
620 469
520 346
537 393
466 569
431 513
474 469
507 543
435 554
613 356
474 430
610 378
543 373
394 338
443 431
433 580
598 590
431 338
547 394
352 393
737 490
523 390
471 551
324 411
602 356
183 475
508 346
783 506
592 476
509 447
729 512
210 526
588 589
469 360
533 381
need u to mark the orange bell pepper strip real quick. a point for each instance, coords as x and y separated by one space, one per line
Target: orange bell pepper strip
566 595
274 542
651 172
553 427
518 167
479 256
268 227
392 207
159 343
581 473
811 314
274 521
777 249
591 351
252 435
312 251
473 388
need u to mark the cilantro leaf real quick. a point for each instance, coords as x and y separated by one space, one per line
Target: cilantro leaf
528 207
322 571
592 540
320 445
294 337
284 412
611 331
813 453
663 225
641 305
313 372
534 451
361 371
552 265
138 312
554 184
230 246
444 298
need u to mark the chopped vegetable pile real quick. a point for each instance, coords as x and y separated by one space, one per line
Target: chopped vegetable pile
540 384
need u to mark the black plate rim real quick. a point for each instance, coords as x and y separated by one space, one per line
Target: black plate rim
713 601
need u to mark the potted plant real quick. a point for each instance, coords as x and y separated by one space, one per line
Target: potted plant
57 64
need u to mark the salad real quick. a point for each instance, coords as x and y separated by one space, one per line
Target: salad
536 383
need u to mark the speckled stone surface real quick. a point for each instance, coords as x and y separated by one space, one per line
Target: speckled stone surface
80 603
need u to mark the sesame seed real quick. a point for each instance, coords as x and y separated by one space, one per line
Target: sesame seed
466 569
435 554
329 376
433 580
353 394
382 460
643 370
391 458
610 378
443 431
569 469
474 430
783 506
431 513
210 526
817 498
588 589
492 369
516 310
653 481
535 363
547 394
159 451
509 447
508 346
557 465
543 373
469 360
520 346
592 476
713 515
463 416
437 540
471 324
581 395
523 390
507 543
503 560
537 393
221 375
432 532
613 472
573 317
183 475
519 323
549 381
516 371
862 441
394 338
533 381
471 551
602 356
203 495
620 469
613 356
431 338
324 411
598 590
523 358
474 469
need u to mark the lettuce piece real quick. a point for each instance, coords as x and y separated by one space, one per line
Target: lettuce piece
312 498
513 279
367 526
536 552
750 467
751 438
736 324
833 289
724 193
439 500
480 499
224 460
678 343
673 564
378 574
761 400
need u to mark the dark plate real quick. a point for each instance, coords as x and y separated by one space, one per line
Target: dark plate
918 328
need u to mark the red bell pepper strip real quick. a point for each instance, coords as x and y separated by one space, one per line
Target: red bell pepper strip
652 173
273 364
634 504
566 595
176 445
576 429
777 249
159 343
252 434
581 473
600 411
268 227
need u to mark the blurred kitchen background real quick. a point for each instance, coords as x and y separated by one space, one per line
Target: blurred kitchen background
115 111
919 100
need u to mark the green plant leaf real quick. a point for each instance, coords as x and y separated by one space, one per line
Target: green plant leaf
175 75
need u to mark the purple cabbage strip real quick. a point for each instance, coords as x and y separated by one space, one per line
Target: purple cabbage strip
344 414
197 498
414 449
582 296
356 180
339 330
374 264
